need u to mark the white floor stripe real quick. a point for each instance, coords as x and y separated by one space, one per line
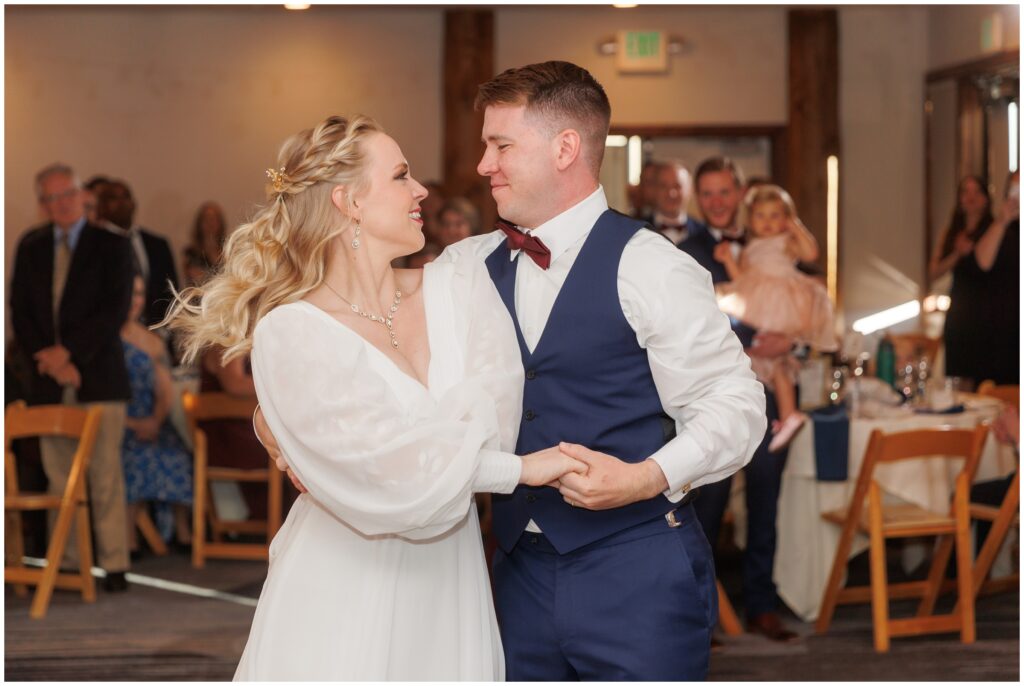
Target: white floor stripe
164 585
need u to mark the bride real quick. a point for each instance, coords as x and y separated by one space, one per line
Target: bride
396 395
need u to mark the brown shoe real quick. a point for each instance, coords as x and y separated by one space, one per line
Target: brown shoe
770 626
716 645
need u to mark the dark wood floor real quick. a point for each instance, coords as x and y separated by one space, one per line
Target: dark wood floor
150 634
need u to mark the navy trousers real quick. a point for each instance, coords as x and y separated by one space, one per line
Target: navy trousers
763 481
636 606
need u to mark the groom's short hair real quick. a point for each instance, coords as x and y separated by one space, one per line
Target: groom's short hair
563 94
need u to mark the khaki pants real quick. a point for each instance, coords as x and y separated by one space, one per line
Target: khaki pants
104 481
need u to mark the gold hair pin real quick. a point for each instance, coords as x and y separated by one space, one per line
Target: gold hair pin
277 178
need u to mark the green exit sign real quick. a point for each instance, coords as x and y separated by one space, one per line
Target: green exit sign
642 44
642 52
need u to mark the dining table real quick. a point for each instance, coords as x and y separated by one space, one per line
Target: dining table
806 544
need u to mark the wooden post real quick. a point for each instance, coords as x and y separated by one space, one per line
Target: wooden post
468 62
813 132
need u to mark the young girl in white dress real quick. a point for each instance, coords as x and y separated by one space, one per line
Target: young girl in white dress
768 292
395 395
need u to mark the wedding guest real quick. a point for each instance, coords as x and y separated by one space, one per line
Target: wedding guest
157 465
966 318
203 254
718 182
428 253
89 193
1006 429
643 199
153 257
458 219
70 294
768 292
231 442
997 254
672 190
430 211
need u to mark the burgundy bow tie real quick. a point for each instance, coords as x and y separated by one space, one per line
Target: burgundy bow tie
741 239
531 245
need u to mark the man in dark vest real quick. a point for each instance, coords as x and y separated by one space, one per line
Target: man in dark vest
719 185
606 575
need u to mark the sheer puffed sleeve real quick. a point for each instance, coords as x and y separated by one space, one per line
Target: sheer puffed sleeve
386 464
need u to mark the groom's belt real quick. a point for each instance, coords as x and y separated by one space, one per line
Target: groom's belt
538 542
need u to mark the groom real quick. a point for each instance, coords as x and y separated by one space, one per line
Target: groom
608 575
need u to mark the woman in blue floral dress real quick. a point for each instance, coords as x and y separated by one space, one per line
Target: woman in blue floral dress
157 464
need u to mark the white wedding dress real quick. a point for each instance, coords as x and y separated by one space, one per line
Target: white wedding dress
378 573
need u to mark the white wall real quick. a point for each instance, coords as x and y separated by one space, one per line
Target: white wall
733 70
954 32
192 103
883 60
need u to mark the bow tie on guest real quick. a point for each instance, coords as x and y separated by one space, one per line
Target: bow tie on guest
531 245
741 239
664 227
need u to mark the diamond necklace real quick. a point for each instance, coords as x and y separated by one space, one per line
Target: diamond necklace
386 321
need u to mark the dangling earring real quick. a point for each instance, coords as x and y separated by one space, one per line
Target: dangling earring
355 241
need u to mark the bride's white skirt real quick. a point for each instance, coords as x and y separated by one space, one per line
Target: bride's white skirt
339 606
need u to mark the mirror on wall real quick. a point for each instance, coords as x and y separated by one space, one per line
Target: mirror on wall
972 127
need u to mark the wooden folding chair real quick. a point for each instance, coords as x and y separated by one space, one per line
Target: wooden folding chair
210 407
1007 394
882 522
1002 518
72 506
727 618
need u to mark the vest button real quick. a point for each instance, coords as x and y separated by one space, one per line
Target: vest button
531 374
530 497
529 415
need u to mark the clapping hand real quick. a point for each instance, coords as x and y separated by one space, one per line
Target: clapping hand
609 482
963 245
273 449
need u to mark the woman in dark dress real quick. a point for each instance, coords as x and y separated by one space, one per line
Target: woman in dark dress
997 254
969 316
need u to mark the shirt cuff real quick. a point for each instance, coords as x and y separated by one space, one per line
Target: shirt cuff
682 463
497 472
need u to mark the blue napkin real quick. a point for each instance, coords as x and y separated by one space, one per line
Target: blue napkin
831 442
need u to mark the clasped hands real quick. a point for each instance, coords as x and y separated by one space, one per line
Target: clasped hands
55 361
585 478
590 479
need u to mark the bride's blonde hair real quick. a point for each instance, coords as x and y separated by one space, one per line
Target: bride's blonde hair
282 253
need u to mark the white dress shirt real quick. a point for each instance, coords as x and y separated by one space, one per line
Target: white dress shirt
735 247
703 377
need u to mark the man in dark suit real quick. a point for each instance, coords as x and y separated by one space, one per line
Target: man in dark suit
672 191
719 185
153 257
70 294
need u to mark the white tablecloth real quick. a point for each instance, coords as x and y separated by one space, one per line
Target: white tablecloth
807 544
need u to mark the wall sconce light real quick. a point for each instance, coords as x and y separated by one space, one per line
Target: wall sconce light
296 5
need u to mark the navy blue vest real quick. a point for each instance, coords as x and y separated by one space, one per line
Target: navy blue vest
587 382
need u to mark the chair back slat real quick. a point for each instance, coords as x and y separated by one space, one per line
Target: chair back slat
21 421
204 407
1008 393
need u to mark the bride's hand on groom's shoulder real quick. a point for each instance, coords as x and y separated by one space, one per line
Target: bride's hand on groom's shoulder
265 437
546 466
609 482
